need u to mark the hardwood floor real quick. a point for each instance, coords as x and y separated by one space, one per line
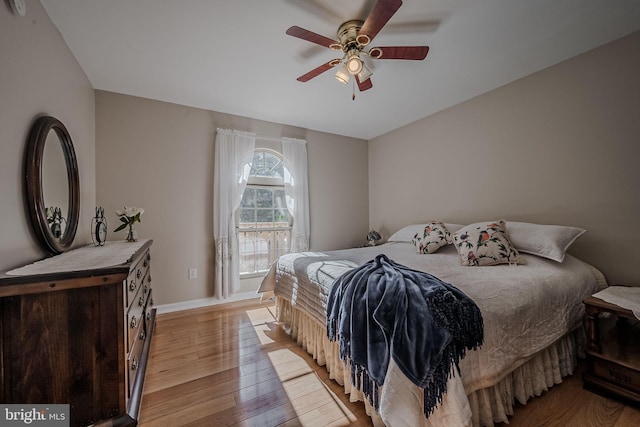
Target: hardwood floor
232 365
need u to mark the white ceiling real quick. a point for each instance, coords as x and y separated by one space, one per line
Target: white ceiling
233 56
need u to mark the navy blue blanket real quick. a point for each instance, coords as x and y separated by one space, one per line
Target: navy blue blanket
383 309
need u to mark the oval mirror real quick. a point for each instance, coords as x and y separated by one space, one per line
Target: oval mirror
53 185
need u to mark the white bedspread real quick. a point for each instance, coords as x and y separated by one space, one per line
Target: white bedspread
525 308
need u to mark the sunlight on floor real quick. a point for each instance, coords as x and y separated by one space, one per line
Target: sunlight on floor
260 319
261 333
262 315
313 401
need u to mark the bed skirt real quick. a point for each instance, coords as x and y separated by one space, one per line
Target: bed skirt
488 405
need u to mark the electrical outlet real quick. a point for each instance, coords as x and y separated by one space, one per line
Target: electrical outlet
193 273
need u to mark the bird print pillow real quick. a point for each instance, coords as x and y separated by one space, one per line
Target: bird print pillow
486 243
434 236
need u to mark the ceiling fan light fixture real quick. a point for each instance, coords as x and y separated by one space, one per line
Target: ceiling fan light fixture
365 73
342 75
354 63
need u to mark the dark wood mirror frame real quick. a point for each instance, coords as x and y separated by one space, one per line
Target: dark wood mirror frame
35 196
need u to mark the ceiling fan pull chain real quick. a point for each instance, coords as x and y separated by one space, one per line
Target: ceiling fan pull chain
353 95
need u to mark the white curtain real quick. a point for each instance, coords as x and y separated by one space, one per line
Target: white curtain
233 156
296 190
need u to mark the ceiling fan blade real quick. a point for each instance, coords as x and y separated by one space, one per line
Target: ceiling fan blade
310 36
365 85
417 53
317 71
379 16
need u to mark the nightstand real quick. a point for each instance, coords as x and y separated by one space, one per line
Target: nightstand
613 348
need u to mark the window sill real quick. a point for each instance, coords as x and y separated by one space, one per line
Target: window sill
253 275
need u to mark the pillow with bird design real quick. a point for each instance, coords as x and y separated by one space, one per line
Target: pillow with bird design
486 243
433 236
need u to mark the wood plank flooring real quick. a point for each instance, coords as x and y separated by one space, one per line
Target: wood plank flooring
232 365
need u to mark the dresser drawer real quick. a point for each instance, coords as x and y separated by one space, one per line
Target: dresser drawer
133 362
138 338
145 289
135 322
616 374
147 310
136 277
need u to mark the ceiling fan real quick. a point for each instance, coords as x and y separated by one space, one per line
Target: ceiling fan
354 38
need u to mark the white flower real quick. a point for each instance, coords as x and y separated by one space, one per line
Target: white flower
128 216
129 211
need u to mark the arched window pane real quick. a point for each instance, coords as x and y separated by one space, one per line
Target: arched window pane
266 164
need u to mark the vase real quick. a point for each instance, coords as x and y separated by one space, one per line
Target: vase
132 235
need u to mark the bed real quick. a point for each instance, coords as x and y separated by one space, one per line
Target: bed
531 304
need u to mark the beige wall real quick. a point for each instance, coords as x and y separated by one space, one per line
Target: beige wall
39 76
160 156
560 146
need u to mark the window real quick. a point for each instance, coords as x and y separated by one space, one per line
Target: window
264 223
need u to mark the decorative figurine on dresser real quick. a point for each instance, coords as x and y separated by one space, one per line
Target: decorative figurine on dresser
76 327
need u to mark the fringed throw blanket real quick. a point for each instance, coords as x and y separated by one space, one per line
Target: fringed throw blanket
383 309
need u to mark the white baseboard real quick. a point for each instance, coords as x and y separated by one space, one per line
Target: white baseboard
204 302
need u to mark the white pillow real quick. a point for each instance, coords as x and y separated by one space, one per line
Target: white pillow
547 241
406 234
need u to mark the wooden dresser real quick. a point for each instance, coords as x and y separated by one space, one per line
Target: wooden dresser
76 329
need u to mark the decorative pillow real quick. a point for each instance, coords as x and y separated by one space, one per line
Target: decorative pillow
433 236
407 233
547 241
486 243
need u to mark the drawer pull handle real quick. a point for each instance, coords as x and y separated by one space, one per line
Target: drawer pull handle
141 301
134 364
139 273
145 289
134 322
143 335
148 316
132 286
618 376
